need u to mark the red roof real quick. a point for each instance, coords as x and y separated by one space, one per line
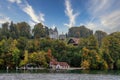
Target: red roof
63 64
54 62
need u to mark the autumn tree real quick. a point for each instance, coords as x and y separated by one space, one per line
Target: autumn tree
111 48
38 58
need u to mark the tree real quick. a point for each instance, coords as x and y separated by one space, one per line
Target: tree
111 49
5 30
93 58
24 29
80 32
99 36
15 52
39 31
38 58
25 60
1 64
118 64
14 31
16 56
85 64
90 43
49 56
22 43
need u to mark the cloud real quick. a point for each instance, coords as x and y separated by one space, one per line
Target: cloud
4 19
104 15
53 26
91 25
99 7
28 9
69 12
112 21
15 1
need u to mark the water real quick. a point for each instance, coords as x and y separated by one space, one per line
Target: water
69 75
56 76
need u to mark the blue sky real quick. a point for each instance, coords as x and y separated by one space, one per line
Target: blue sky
94 14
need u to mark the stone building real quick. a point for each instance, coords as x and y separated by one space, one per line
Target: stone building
53 33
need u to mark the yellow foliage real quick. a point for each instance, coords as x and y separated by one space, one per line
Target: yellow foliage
26 56
85 64
105 65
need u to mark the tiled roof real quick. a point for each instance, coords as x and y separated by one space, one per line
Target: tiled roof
54 62
74 41
63 64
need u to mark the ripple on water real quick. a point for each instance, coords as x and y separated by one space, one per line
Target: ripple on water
56 76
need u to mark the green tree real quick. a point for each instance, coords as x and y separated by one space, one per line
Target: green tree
14 31
118 64
16 56
5 30
38 58
111 49
24 29
80 32
25 60
39 31
99 36
22 43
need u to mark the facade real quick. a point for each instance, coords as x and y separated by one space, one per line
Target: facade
62 37
53 33
59 65
74 41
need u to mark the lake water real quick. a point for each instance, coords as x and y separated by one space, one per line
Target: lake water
56 76
70 75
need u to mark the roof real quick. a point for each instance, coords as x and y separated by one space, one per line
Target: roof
63 64
54 62
73 40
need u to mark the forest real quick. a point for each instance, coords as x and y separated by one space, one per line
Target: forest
19 45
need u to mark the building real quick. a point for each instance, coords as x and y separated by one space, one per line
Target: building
62 37
74 41
59 65
53 33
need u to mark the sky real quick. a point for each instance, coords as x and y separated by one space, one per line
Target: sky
94 14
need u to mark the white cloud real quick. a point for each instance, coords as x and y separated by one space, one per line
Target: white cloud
111 20
106 14
69 12
98 7
91 25
4 19
41 15
28 9
53 26
34 17
15 1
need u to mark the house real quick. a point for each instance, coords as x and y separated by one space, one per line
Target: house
62 37
74 41
53 33
59 65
